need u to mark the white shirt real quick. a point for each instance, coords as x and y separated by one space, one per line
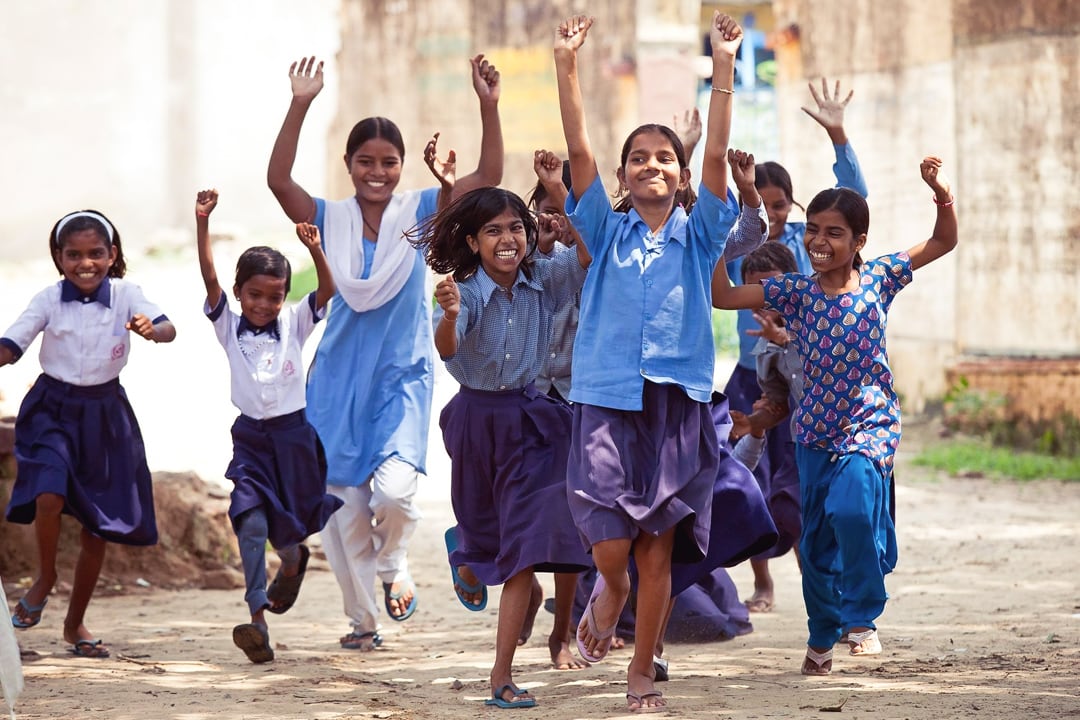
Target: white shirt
267 370
84 340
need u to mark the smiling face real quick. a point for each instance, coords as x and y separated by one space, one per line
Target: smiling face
501 243
85 257
830 242
261 298
652 170
777 207
375 169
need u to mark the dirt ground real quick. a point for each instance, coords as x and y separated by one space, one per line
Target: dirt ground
984 621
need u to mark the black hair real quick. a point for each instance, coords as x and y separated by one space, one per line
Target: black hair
848 203
770 257
686 196
85 222
443 238
262 260
773 174
374 127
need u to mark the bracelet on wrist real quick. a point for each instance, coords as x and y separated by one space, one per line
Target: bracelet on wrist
201 214
726 91
952 199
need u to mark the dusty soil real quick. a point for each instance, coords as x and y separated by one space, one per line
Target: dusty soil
984 621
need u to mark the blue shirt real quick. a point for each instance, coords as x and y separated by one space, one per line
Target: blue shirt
371 382
849 404
503 336
646 304
848 174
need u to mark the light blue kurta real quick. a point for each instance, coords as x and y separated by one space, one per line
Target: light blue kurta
370 387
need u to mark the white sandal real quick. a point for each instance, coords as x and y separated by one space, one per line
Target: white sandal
864 643
819 659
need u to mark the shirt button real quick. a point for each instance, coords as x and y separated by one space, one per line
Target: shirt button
502 387
510 321
552 354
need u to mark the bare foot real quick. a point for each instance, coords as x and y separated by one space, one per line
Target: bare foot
617 643
536 598
561 657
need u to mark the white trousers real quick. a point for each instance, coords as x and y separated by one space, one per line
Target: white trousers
367 537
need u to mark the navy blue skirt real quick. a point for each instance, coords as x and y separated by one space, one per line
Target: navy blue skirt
279 464
648 470
84 444
776 473
741 525
508 483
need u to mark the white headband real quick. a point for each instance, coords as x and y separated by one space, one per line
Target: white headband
67 218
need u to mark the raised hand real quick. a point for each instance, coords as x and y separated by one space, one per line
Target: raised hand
932 175
743 171
306 77
485 79
141 325
830 108
309 235
570 35
689 130
445 171
206 201
771 328
725 35
448 297
548 168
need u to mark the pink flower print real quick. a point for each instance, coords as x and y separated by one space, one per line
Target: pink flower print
118 351
846 301
854 375
831 416
843 405
865 344
825 361
841 367
834 312
841 385
819 305
863 326
288 369
829 398
870 296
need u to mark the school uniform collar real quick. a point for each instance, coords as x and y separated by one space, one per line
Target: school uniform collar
674 228
273 328
488 286
70 293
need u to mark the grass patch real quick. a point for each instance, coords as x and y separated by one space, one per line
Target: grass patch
303 282
974 457
725 332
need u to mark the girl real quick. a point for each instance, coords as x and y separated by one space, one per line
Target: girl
644 454
369 390
507 442
278 468
848 421
77 443
777 466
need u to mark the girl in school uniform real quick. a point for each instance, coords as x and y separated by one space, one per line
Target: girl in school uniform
847 424
370 387
507 441
644 456
278 467
77 443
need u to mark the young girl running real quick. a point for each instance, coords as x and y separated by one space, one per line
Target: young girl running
644 455
848 421
278 468
370 387
77 442
507 442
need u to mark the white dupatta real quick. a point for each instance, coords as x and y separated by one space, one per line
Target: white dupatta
394 256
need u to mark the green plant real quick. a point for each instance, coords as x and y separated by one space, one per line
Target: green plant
725 333
303 282
975 457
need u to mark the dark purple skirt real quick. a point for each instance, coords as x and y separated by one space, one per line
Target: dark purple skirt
508 483
84 444
776 472
709 611
741 526
279 464
645 471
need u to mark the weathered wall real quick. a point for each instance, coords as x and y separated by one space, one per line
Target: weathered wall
408 60
989 85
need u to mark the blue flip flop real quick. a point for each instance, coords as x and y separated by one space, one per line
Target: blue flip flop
497 700
33 614
389 595
459 584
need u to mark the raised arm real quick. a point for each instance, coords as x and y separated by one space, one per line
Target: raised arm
829 114
205 202
725 35
548 168
445 171
449 299
688 130
727 297
570 36
306 78
309 235
944 236
489 169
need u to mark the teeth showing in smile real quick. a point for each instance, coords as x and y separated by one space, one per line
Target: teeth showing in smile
820 256
374 184
87 275
506 254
